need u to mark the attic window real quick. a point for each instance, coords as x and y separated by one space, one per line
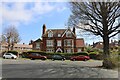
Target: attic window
100 43
50 34
59 35
68 34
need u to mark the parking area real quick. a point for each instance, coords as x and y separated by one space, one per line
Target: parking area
89 63
26 68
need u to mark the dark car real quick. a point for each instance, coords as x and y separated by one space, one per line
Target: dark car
80 58
58 57
34 56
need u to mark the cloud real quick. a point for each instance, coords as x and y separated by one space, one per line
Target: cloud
41 8
36 0
15 13
60 9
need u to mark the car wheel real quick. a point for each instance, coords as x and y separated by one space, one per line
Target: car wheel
73 59
52 59
3 57
43 59
12 57
85 59
32 59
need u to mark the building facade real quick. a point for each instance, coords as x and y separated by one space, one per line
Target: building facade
112 45
17 47
59 40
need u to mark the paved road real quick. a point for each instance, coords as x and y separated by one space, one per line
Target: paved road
54 69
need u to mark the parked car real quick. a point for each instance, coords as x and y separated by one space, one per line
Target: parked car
9 56
80 58
34 56
58 57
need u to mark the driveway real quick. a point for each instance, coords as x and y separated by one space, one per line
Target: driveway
54 69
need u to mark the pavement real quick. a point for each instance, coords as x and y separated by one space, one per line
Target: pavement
25 68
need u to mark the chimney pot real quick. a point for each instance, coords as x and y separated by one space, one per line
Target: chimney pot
44 28
74 30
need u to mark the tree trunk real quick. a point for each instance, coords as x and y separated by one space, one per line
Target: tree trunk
107 63
106 47
12 46
8 47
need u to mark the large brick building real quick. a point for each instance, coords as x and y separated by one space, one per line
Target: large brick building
59 40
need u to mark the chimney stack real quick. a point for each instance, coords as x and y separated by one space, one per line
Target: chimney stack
74 30
44 28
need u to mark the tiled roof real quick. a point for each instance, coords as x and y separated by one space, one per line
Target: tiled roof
38 40
98 45
80 42
23 45
55 32
4 43
19 45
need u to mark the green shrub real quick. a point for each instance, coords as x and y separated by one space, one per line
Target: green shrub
93 56
14 52
82 53
24 55
94 52
113 60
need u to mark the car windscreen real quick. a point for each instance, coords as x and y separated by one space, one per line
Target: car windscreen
7 54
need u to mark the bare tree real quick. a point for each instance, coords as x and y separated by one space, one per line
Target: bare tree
11 36
98 18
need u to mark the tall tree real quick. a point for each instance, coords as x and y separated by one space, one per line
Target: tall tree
98 18
11 36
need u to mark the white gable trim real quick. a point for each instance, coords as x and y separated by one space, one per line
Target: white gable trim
67 31
49 31
59 50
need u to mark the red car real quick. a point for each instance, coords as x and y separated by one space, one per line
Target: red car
34 56
80 58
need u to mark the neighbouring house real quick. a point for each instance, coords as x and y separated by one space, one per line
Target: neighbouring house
37 44
113 45
59 40
17 47
98 45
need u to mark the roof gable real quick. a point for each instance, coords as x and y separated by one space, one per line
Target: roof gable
67 31
38 40
55 32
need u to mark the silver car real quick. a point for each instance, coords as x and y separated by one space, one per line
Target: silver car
9 56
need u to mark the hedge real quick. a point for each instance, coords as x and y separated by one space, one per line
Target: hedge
14 52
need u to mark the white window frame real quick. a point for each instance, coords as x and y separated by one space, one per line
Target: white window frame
49 43
50 50
59 35
59 43
79 50
69 43
38 45
68 34
50 34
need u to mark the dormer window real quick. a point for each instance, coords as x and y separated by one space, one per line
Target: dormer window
59 35
50 34
68 34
